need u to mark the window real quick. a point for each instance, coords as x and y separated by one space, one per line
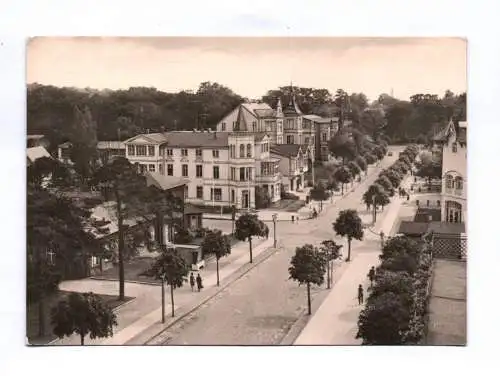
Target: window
289 139
199 192
459 183
199 171
185 170
140 150
216 172
162 171
215 153
151 168
233 173
151 151
184 152
143 168
254 125
242 151
216 194
242 173
170 170
232 196
170 152
323 136
306 141
223 127
199 153
249 151
454 147
232 151
449 181
186 193
131 149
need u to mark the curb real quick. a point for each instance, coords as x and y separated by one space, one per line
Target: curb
225 283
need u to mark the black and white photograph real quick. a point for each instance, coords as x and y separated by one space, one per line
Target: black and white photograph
246 191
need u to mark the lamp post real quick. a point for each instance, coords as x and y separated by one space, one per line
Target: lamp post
275 217
163 299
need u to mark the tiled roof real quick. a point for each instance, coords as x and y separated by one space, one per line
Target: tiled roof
447 227
36 153
110 145
292 108
197 139
253 107
190 209
265 113
286 150
158 137
164 182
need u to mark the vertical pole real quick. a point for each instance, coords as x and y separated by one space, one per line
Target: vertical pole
163 301
274 222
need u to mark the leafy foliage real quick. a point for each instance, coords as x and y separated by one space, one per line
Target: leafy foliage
361 162
349 224
319 193
83 314
343 175
386 184
248 225
170 267
216 243
307 265
353 168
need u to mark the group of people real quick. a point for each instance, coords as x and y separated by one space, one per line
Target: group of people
198 280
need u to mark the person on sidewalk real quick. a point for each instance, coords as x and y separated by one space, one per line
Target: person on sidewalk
199 282
371 275
360 294
191 281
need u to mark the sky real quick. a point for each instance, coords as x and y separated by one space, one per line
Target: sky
252 66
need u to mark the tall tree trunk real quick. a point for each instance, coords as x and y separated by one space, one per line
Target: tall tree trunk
308 298
348 249
82 339
250 244
217 262
121 246
172 298
328 274
374 213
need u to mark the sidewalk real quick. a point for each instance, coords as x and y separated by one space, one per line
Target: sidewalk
144 312
335 322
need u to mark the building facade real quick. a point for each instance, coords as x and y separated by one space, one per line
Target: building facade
294 162
223 168
454 182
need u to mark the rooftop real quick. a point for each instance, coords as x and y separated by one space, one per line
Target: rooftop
110 145
255 108
164 182
286 150
36 153
197 139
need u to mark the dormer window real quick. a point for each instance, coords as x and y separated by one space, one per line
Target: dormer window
454 147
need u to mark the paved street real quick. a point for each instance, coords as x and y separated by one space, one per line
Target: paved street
260 307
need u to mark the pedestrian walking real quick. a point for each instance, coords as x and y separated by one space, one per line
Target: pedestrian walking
371 275
199 282
191 281
360 294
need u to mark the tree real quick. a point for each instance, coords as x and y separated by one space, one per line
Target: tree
343 176
342 146
429 171
353 168
393 176
383 320
121 180
379 151
319 193
217 244
375 196
83 314
308 266
386 184
262 198
361 162
399 245
331 252
248 225
47 172
370 158
349 224
171 268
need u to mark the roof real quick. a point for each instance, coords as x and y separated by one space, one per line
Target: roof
286 150
36 153
35 136
265 113
106 212
413 228
157 137
65 145
447 227
256 108
197 139
312 117
110 145
292 108
164 182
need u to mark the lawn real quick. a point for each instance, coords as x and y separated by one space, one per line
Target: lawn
51 301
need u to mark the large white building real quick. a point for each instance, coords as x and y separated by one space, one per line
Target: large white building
454 182
223 168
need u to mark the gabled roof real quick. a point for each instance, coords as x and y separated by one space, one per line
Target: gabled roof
191 139
241 123
154 138
292 109
36 153
164 182
256 108
265 113
286 150
65 145
110 145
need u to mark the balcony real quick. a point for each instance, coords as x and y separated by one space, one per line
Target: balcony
454 191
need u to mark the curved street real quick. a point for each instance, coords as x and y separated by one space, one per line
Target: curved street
261 307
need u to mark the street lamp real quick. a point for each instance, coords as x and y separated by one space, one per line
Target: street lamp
275 217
